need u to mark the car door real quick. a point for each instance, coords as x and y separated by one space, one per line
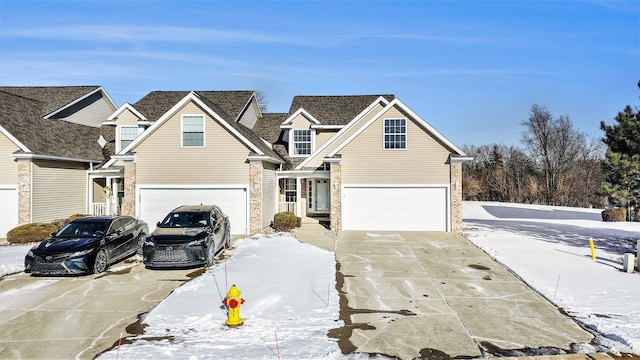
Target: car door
119 238
217 232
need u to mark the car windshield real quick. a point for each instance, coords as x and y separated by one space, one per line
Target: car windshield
185 220
83 229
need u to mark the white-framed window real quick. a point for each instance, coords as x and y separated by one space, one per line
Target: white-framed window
290 194
395 133
302 142
193 130
127 135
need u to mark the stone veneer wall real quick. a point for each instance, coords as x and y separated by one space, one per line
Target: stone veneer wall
336 197
129 201
24 191
255 197
456 197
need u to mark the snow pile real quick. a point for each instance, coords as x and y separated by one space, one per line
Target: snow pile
291 304
12 259
548 247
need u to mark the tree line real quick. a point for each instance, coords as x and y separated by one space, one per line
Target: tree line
558 165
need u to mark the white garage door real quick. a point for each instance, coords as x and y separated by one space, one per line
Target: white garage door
415 208
8 210
155 203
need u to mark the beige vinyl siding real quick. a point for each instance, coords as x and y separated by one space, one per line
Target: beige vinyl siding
424 161
317 161
93 113
98 190
127 118
322 136
8 165
250 116
58 190
269 205
301 122
160 159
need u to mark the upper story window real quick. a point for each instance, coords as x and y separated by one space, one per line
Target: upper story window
193 130
395 133
302 142
127 135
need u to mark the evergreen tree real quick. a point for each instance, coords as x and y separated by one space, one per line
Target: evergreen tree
622 159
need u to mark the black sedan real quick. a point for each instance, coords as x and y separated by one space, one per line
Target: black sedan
189 236
87 245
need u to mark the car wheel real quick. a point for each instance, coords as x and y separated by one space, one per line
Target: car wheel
141 240
100 263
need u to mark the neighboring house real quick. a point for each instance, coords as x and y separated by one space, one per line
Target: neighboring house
193 148
49 140
359 162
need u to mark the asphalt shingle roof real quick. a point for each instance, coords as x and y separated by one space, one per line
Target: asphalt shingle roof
334 110
21 114
268 127
227 104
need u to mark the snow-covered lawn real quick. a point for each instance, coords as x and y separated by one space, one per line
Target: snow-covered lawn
548 247
291 300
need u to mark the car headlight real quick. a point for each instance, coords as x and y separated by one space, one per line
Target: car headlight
30 253
81 253
148 241
198 242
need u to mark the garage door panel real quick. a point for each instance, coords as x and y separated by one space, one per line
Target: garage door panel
8 210
395 208
156 203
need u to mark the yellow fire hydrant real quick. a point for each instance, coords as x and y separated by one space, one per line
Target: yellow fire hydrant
233 302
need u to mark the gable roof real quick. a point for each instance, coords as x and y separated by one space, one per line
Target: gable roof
457 152
22 119
52 98
228 104
334 110
224 106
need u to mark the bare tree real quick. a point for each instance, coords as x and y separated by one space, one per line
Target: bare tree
555 145
262 100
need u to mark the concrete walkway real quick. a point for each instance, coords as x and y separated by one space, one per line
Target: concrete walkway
435 296
312 232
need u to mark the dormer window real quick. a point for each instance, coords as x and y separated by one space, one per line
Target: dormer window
127 135
302 143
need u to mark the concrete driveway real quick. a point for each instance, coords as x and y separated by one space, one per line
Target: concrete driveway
79 317
435 295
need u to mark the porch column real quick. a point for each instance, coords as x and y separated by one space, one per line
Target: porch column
298 197
24 191
456 197
255 197
336 196
108 196
129 202
115 190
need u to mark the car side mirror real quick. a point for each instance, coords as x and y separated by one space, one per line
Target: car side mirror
52 234
158 224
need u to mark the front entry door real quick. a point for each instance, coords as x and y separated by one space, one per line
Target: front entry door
322 195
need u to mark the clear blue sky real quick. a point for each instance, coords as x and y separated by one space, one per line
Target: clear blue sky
472 69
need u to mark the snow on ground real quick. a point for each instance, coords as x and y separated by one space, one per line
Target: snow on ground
548 247
291 304
291 301
12 259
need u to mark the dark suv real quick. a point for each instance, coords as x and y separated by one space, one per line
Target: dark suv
190 235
